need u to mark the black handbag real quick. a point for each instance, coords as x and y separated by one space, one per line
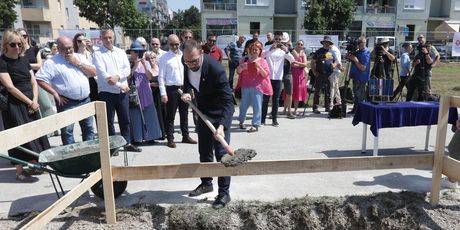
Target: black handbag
133 96
3 98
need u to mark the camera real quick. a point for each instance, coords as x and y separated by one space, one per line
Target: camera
420 47
352 46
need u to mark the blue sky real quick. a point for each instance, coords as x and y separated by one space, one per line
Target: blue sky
183 4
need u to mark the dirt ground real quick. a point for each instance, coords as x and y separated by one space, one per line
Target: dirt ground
404 210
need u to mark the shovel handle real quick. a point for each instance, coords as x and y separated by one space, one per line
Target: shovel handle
203 117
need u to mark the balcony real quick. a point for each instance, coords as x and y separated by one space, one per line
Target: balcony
35 14
219 6
371 9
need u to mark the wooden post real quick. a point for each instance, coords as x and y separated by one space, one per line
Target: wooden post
106 166
443 117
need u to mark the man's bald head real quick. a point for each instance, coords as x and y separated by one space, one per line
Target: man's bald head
65 46
173 42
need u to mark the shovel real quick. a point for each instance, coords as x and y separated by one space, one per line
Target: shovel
232 158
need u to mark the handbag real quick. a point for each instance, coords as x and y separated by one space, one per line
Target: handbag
3 98
133 96
237 93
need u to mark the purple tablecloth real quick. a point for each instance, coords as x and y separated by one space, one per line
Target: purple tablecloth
399 114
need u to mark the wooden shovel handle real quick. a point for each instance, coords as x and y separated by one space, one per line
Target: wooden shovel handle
203 117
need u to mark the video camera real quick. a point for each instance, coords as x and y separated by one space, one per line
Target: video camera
352 46
420 47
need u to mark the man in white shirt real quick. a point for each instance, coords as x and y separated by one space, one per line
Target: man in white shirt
334 77
170 79
113 69
275 57
65 76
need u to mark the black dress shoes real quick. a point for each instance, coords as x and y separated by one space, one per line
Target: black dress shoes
201 189
171 144
188 139
132 148
221 201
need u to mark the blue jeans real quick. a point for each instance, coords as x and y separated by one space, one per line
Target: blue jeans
86 124
120 104
251 96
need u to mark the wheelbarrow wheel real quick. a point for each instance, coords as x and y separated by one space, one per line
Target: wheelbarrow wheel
118 188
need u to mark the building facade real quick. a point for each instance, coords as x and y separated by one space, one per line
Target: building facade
44 18
404 19
157 10
232 17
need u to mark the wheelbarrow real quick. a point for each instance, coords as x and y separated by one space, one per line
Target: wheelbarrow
76 160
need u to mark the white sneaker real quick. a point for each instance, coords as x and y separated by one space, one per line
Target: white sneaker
447 184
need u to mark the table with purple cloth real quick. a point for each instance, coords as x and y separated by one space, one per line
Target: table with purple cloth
398 114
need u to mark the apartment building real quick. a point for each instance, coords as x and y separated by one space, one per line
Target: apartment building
231 17
44 18
157 10
403 19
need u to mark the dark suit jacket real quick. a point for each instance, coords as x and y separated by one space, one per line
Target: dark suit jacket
214 97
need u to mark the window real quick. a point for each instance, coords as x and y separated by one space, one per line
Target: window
257 2
251 2
457 5
414 4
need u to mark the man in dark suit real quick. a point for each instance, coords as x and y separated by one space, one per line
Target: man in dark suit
208 79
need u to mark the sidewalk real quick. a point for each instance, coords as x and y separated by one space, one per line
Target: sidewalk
312 136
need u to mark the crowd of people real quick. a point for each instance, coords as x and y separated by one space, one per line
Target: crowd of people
141 85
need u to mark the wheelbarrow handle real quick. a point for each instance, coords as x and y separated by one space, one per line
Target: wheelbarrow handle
25 163
203 117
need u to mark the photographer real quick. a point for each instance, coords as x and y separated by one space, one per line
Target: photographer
422 69
383 58
359 72
323 64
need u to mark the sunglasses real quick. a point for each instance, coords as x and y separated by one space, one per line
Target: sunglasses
192 62
79 41
188 37
13 45
173 44
25 36
210 40
155 44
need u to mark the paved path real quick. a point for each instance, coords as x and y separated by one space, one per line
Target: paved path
312 136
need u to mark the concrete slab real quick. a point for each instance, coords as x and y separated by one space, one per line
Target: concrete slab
311 136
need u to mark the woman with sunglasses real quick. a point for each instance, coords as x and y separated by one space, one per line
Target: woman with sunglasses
80 46
33 54
152 58
17 77
254 82
299 81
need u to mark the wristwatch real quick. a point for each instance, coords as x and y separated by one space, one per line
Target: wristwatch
80 66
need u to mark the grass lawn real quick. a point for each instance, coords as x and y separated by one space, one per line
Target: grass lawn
446 79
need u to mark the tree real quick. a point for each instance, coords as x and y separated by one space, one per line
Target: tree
190 19
326 15
113 13
8 14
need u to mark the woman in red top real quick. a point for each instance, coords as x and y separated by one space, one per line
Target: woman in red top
254 82
299 81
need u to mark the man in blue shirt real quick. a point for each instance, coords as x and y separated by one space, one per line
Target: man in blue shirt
65 76
234 52
404 71
359 72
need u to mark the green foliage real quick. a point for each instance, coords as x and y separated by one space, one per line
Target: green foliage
327 15
113 13
188 19
8 14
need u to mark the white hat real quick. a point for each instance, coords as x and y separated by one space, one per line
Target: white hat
285 37
382 40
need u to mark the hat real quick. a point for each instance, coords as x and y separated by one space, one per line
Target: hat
327 39
285 37
382 40
136 46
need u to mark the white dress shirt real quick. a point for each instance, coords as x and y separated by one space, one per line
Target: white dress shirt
109 63
275 60
171 71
